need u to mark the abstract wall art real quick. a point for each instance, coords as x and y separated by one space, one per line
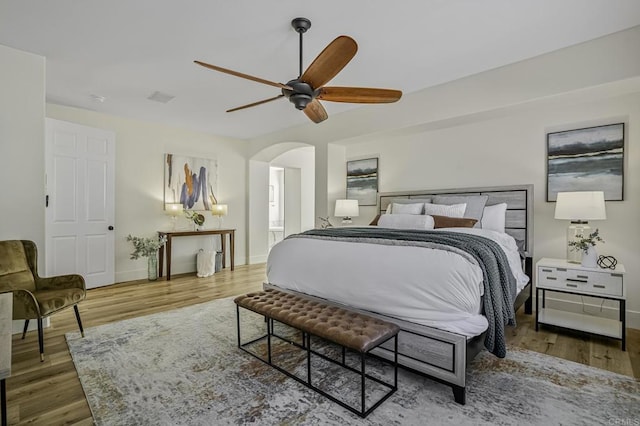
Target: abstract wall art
190 181
362 181
589 159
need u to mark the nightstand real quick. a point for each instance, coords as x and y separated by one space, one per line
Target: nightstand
563 277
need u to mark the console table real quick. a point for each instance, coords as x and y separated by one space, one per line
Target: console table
6 303
174 234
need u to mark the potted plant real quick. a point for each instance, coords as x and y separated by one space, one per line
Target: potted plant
588 247
147 247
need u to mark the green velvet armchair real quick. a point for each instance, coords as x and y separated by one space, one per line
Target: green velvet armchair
35 297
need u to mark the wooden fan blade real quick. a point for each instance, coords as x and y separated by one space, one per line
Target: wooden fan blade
359 95
255 103
315 111
330 61
241 75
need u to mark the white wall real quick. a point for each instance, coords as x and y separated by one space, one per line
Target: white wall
22 88
512 150
140 149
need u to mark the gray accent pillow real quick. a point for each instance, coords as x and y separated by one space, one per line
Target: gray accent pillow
475 205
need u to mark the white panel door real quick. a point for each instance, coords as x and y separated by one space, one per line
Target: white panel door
80 213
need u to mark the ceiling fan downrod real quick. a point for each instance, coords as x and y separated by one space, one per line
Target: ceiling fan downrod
301 25
302 93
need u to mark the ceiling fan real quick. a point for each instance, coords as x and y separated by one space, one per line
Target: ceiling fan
309 88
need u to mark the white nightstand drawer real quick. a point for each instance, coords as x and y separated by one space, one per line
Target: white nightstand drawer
597 282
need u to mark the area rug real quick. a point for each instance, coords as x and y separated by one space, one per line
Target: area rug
183 367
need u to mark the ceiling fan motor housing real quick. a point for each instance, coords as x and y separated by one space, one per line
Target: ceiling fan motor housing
301 94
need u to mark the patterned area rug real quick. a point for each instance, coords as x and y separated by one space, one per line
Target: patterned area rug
183 367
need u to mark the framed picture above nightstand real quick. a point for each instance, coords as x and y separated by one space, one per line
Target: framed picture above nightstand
560 276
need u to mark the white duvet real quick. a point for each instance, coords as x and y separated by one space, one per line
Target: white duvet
433 287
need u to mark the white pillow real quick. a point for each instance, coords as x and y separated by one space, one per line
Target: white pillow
493 217
453 210
405 221
408 208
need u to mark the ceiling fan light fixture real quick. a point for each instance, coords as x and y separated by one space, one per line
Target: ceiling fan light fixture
300 100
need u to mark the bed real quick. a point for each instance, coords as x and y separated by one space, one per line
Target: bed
443 326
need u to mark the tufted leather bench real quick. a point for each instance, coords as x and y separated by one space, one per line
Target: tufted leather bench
351 330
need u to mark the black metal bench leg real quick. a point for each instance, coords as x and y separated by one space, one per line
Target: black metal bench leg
362 380
3 398
24 330
41 339
75 308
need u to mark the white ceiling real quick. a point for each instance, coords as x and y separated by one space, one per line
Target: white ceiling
127 50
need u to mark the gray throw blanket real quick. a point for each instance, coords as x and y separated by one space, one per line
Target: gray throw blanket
499 282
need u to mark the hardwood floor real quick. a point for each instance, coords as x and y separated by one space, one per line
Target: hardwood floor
49 393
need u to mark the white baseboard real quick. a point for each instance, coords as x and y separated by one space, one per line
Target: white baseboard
253 260
592 306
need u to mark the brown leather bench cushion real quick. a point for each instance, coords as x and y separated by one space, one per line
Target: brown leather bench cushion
347 328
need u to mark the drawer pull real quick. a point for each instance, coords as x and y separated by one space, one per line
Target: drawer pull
552 278
583 276
576 281
598 286
547 270
571 285
561 269
616 275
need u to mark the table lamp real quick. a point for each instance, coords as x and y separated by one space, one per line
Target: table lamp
579 208
347 209
174 210
219 210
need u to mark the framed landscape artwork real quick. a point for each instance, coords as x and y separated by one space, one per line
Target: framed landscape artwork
362 181
191 181
589 159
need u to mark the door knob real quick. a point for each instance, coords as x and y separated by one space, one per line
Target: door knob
110 228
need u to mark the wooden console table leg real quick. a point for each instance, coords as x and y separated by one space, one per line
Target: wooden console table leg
168 257
224 250
161 261
232 247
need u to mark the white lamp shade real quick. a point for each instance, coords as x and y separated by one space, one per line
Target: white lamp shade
583 205
347 208
219 209
173 209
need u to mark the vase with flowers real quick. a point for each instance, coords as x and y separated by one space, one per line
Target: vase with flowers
147 247
588 247
196 218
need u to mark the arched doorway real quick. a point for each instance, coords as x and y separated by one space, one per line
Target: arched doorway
295 195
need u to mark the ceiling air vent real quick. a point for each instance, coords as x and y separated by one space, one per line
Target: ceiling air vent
160 97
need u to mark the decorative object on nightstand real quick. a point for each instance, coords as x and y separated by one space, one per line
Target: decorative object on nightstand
325 222
587 246
579 207
558 275
218 211
346 209
174 210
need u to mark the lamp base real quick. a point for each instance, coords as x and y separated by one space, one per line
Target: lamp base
576 231
346 221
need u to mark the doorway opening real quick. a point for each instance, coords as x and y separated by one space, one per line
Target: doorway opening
276 205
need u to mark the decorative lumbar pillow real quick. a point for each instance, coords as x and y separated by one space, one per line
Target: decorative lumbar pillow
455 210
452 222
494 217
407 208
405 221
389 209
475 204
